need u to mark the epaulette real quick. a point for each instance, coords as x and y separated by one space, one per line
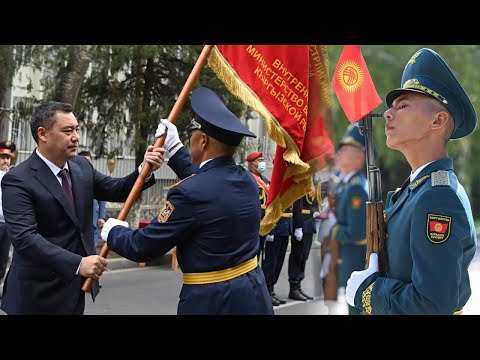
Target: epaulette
417 182
355 180
181 181
440 178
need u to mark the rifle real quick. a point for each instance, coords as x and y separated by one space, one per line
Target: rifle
376 238
329 248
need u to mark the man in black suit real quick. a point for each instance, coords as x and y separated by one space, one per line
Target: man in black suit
50 229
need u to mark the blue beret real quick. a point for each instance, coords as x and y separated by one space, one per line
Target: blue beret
215 120
353 137
427 73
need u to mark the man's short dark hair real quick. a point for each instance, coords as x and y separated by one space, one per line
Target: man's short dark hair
44 116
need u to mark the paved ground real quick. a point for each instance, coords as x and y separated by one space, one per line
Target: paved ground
153 290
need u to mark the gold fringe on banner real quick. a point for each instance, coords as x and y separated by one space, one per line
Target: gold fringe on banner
300 170
275 208
238 88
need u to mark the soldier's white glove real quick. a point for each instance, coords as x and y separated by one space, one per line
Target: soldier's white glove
298 234
316 214
172 138
109 224
357 277
269 237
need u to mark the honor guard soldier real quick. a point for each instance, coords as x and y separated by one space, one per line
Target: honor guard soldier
212 216
431 237
301 243
7 148
350 209
257 165
276 244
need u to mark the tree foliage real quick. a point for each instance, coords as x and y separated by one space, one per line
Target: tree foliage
128 88
386 64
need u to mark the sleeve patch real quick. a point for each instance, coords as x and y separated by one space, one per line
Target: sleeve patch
165 213
356 202
438 228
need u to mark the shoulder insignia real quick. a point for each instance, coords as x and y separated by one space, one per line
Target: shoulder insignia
440 178
414 184
355 180
181 181
356 202
438 228
165 212
262 195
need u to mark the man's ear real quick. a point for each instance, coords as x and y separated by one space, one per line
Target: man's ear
41 133
440 120
205 140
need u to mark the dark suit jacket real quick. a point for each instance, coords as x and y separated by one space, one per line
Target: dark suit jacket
49 237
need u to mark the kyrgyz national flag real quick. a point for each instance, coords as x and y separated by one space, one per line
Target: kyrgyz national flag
288 85
353 85
438 227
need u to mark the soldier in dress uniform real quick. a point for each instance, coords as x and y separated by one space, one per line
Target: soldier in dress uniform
300 245
431 237
276 245
350 206
7 148
257 165
212 216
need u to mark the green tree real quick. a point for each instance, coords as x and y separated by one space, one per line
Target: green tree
386 64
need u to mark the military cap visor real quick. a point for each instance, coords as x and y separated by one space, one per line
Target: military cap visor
213 118
353 137
7 148
427 73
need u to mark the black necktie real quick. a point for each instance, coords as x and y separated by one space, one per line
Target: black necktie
66 185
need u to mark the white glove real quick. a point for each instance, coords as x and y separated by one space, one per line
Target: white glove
357 277
316 214
269 237
172 135
109 224
324 270
298 234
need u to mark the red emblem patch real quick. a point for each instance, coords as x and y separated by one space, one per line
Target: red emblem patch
438 228
356 202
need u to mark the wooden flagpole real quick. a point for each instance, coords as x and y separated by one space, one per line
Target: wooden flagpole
137 187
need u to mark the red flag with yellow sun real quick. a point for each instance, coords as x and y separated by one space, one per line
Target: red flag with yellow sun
353 84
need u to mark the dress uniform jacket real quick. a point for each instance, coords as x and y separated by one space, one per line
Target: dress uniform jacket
350 230
431 242
50 237
303 210
213 218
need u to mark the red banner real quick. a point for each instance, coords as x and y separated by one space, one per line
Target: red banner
353 85
288 85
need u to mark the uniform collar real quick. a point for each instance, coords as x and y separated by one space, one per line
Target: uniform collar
441 164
